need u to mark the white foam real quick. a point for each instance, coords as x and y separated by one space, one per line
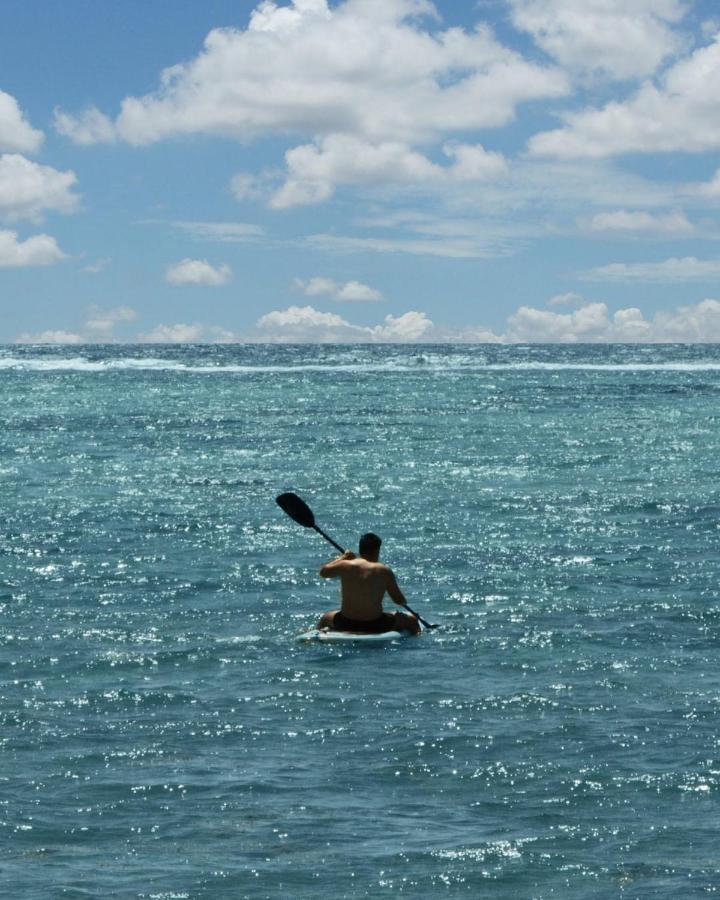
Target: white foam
461 364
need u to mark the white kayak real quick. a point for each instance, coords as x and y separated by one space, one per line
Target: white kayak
330 636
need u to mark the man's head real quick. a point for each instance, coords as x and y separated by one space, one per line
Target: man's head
370 547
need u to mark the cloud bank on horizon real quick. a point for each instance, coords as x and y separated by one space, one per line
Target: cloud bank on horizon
462 170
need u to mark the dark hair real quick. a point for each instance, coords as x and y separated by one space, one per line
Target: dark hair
370 544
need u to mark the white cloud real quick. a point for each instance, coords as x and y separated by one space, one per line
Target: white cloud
90 127
49 337
569 299
709 189
681 114
97 266
470 334
224 232
28 189
593 323
305 323
348 291
699 323
589 323
492 219
314 170
40 250
613 37
459 247
356 290
363 68
687 268
173 334
198 272
254 186
474 163
317 286
628 222
187 334
411 326
100 326
16 134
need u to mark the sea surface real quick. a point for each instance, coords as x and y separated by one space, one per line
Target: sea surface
555 510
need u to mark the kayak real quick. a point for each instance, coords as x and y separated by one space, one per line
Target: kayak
330 636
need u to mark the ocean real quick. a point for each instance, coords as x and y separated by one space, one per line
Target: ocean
555 510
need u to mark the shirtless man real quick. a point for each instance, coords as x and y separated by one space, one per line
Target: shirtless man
364 581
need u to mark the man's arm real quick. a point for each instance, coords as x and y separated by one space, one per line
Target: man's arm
336 567
393 589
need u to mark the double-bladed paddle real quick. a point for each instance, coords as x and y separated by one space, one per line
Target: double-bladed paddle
300 512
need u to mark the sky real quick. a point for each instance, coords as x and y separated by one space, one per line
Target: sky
360 170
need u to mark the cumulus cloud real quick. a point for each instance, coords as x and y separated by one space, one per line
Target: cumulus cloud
198 272
28 189
589 323
16 133
472 162
39 250
638 222
687 268
370 69
49 336
365 81
609 37
411 326
347 291
314 170
305 323
99 328
679 113
182 333
593 323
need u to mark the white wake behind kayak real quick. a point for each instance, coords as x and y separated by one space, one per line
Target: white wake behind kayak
330 636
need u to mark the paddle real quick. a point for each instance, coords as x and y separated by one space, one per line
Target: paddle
298 510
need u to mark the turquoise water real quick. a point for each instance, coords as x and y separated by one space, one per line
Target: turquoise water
555 509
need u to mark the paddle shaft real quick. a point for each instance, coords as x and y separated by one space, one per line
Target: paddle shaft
328 538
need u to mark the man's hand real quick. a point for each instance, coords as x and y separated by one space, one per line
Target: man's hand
333 569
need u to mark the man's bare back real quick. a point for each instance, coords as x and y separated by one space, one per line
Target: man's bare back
364 582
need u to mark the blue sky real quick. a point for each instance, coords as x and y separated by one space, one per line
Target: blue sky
372 170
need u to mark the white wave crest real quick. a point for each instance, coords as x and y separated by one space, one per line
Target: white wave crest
466 364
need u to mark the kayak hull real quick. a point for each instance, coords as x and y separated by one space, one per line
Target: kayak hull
329 636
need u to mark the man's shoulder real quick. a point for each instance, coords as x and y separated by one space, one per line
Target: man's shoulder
372 566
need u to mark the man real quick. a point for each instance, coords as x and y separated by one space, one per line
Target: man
363 582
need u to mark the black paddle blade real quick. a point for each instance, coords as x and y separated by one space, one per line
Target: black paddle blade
297 509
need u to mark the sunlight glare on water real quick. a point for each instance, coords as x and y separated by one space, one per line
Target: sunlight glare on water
554 509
